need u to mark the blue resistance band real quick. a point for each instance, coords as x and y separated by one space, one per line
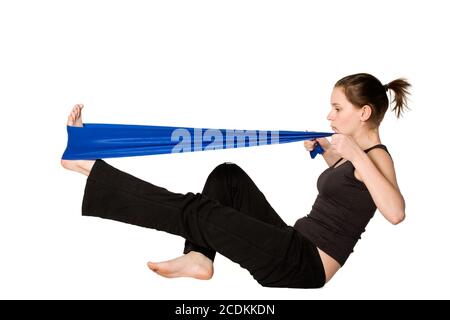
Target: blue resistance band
98 141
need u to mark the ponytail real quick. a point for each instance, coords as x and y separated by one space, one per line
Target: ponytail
400 88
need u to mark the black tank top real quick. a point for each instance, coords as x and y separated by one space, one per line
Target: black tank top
341 212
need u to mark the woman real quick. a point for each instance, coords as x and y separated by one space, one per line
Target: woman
231 215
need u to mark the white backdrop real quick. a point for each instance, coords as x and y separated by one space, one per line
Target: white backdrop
218 64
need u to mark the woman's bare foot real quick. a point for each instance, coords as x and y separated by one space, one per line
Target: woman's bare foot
74 119
81 166
193 264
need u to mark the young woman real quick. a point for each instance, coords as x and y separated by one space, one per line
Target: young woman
231 215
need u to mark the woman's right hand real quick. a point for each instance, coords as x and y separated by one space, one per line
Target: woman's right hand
311 144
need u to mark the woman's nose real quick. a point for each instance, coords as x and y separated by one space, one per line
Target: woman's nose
329 116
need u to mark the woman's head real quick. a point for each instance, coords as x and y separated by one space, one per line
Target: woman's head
362 99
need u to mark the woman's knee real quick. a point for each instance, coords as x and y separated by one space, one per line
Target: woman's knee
225 170
219 178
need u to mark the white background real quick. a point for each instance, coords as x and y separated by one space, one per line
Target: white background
218 64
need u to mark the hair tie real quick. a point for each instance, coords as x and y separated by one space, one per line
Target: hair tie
386 87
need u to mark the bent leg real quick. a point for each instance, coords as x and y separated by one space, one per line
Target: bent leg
275 256
232 187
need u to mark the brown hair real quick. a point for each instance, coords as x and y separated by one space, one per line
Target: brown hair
364 89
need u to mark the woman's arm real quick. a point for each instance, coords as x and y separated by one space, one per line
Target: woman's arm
376 171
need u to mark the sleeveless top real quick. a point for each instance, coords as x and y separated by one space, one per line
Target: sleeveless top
341 212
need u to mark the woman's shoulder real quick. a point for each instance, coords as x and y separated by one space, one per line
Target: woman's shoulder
379 154
381 158
383 161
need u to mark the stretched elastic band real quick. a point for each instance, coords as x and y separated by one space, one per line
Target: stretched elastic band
98 141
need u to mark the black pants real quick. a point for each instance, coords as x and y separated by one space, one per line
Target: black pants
231 216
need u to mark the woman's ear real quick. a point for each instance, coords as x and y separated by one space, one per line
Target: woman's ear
366 112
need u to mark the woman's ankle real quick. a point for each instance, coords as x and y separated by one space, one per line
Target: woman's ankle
88 164
80 166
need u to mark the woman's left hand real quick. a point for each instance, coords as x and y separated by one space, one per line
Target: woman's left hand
344 146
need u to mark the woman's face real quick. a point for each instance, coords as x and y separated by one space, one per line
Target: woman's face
344 117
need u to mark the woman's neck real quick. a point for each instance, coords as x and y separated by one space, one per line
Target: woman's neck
367 138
